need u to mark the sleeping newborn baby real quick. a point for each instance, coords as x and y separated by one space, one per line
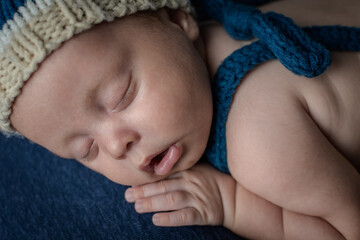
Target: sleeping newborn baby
134 90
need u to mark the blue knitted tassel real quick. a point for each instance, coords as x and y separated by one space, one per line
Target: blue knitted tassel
289 43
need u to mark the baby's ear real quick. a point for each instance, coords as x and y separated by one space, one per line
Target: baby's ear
184 21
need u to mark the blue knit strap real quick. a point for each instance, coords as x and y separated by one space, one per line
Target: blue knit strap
336 38
228 76
213 9
289 43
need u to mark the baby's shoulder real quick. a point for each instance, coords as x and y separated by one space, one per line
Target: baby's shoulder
267 93
272 104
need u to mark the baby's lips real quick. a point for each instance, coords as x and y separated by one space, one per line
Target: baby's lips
149 163
172 156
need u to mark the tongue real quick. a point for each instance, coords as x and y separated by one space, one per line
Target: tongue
168 161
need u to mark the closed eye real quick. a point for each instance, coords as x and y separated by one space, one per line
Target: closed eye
91 153
127 98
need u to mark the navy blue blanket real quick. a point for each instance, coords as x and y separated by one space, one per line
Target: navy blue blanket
46 197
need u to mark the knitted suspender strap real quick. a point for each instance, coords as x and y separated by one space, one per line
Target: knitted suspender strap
290 44
278 38
228 76
336 38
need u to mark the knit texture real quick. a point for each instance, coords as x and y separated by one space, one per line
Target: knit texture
302 51
31 30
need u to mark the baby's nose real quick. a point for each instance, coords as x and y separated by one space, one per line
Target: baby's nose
118 144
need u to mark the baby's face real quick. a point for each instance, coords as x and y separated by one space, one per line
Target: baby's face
130 100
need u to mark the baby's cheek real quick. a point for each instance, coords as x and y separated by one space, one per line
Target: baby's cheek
113 169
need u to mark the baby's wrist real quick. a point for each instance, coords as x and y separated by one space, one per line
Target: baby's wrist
227 188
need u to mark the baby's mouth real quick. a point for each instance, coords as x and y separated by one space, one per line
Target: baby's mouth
163 162
153 161
157 159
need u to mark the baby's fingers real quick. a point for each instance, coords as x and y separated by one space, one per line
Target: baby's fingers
163 202
183 217
151 189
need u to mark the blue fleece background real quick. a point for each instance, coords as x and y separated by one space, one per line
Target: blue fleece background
46 197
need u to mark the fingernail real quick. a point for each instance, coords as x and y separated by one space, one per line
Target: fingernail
156 219
129 195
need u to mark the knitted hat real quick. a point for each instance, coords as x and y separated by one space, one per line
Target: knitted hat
32 29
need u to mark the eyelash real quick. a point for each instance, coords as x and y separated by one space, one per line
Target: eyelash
125 101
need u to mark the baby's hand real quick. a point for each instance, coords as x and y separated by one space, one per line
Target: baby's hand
192 197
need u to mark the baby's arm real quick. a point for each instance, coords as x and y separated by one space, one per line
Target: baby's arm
204 196
254 217
302 202
276 151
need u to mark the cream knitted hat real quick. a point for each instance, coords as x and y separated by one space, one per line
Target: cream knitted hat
32 29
